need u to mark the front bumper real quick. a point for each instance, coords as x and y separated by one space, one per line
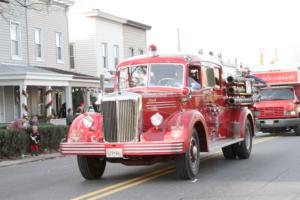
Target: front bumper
277 123
128 149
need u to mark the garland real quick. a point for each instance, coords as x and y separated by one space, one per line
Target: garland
49 104
48 92
25 107
24 93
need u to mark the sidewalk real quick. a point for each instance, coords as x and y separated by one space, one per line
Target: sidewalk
28 159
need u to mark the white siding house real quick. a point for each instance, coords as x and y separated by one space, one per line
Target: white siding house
102 39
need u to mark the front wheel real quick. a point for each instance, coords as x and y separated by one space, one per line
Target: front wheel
91 167
187 165
243 149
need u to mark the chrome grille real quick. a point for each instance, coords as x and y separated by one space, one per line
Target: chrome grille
121 117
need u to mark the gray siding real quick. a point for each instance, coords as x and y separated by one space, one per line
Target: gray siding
13 14
135 38
55 20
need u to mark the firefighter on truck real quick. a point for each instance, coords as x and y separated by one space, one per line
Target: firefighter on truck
165 107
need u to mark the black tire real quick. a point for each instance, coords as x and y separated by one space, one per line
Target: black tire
229 152
91 167
187 165
243 149
297 130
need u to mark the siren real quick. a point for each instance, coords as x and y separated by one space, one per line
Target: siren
152 50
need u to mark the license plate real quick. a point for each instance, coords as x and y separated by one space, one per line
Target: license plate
269 122
114 153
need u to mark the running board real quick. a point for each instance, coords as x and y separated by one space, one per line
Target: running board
217 145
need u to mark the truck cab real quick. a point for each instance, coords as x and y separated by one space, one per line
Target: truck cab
164 107
278 109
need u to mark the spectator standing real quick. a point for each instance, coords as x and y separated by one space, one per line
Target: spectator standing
78 112
34 120
69 117
34 141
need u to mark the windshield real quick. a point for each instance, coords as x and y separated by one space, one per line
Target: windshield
169 75
276 94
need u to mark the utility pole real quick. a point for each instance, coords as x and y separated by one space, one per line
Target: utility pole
178 39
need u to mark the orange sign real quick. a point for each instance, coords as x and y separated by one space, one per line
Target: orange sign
279 77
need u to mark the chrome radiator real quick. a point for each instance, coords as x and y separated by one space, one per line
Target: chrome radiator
121 117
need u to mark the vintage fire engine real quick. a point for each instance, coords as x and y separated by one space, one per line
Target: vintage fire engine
165 107
279 105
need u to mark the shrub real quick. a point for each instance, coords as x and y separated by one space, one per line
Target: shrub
16 142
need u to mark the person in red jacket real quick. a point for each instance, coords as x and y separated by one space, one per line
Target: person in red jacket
35 141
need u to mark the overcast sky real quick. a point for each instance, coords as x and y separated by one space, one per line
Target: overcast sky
237 28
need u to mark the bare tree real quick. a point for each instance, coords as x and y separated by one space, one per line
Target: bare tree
10 8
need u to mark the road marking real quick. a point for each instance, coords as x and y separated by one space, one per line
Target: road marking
124 183
133 184
149 176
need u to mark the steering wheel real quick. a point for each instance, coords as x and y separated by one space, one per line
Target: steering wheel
166 82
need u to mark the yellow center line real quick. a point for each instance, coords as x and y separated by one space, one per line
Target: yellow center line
149 176
133 184
124 183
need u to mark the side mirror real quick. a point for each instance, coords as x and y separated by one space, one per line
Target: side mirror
297 102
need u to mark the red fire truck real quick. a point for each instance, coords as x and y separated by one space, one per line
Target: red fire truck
279 105
165 107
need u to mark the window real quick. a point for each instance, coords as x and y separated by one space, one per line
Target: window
104 55
15 37
141 51
116 55
59 47
207 77
131 52
72 59
217 77
38 44
134 76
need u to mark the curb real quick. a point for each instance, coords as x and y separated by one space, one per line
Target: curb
41 157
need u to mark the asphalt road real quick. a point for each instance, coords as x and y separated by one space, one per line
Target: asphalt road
272 172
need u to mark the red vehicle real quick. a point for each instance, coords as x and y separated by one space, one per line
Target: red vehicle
278 108
165 107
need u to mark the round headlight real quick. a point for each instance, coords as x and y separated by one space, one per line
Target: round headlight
88 122
156 119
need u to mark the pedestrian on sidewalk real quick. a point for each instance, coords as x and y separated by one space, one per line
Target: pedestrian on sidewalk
34 141
69 117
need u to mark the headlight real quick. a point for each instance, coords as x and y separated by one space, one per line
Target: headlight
291 112
156 119
88 122
256 113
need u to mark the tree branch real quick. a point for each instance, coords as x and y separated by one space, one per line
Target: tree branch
4 1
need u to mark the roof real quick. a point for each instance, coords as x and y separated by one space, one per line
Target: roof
75 75
170 58
23 69
107 16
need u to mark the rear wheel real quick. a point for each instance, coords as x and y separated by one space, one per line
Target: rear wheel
187 165
243 149
229 152
297 130
91 167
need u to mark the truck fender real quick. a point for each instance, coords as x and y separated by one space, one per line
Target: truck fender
240 116
79 133
185 121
